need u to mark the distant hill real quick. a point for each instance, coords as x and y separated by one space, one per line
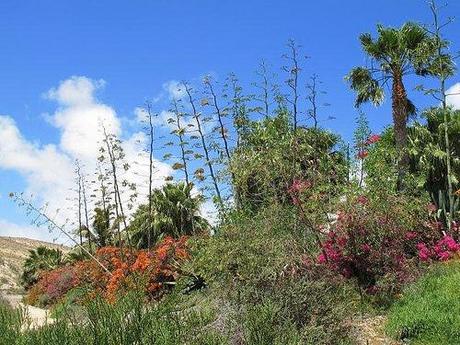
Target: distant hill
13 252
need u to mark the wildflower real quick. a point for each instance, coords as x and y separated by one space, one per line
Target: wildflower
362 154
373 139
424 253
322 258
432 208
299 186
411 235
366 248
443 256
363 200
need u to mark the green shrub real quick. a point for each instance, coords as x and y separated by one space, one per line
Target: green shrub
429 311
258 265
128 321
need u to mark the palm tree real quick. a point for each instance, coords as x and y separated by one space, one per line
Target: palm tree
175 213
40 259
395 54
101 225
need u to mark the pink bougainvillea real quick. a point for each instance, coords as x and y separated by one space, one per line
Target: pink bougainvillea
373 139
444 249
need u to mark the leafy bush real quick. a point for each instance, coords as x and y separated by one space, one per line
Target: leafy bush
39 260
429 311
152 272
374 241
129 320
273 155
257 264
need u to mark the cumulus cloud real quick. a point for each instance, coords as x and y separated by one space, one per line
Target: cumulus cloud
453 98
80 117
49 169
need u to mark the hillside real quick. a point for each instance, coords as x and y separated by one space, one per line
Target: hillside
13 252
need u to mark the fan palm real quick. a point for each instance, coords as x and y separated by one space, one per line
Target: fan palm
395 54
40 259
175 213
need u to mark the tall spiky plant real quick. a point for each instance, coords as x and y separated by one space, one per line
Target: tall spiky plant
197 117
443 68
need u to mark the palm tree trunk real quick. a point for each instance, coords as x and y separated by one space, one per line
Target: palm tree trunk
399 104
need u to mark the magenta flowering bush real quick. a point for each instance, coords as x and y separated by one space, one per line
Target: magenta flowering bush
444 249
380 242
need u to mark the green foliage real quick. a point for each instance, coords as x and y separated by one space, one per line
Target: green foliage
396 51
40 259
257 263
429 311
102 228
175 213
380 165
428 150
273 156
128 321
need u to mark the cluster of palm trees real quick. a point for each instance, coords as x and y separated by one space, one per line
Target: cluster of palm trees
175 212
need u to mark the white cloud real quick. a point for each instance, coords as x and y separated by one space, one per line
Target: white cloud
49 170
453 98
29 231
76 91
80 117
175 89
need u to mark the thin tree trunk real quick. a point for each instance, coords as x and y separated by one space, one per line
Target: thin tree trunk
443 77
203 143
225 141
181 142
150 220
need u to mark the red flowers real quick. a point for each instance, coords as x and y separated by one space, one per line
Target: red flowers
432 208
363 153
297 187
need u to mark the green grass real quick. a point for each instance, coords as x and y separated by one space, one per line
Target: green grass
429 311
129 321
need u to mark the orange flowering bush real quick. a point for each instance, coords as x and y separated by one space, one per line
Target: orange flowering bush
153 271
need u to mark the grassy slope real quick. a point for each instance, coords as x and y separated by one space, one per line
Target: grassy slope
429 311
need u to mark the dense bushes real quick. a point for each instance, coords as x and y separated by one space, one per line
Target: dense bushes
379 242
258 264
273 156
127 321
152 272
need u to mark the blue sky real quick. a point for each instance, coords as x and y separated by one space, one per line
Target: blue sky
137 47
